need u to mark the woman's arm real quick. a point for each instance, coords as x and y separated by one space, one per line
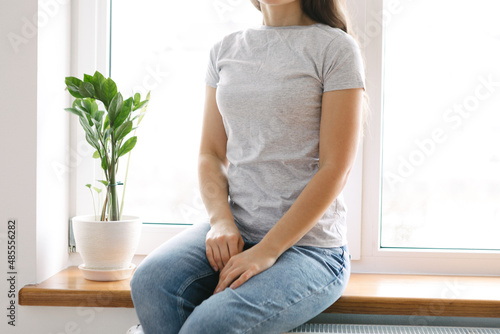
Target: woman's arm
223 240
341 122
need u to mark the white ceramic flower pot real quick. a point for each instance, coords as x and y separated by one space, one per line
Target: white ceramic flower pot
107 248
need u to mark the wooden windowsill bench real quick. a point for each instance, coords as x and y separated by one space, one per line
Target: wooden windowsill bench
383 294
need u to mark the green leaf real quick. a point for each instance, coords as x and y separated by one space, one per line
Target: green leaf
87 104
89 120
98 116
124 112
73 85
96 155
81 109
86 89
143 110
137 98
127 146
80 105
123 130
97 190
106 123
89 107
92 141
107 133
108 92
88 185
92 107
114 108
98 82
87 78
103 182
84 122
140 105
104 164
74 111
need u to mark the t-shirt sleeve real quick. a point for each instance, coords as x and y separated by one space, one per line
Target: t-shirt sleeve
212 75
343 67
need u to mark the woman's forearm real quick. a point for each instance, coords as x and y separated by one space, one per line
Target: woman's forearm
214 187
307 209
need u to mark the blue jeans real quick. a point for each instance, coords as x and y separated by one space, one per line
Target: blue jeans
172 289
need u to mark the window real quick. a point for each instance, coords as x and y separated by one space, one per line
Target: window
441 126
163 47
153 49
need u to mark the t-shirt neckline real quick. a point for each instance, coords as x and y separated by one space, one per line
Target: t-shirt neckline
266 27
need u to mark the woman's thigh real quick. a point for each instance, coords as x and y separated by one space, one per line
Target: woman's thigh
301 284
172 281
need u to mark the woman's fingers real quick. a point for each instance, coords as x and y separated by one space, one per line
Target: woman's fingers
244 266
217 257
223 253
235 273
211 257
235 246
242 279
227 276
223 241
221 249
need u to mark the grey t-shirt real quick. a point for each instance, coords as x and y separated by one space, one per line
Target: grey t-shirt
270 82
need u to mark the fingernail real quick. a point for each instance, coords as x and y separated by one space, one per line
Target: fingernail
215 268
217 291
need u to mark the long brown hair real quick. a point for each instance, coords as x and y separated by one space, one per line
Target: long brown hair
329 12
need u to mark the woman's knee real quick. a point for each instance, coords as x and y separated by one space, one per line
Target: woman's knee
210 322
142 280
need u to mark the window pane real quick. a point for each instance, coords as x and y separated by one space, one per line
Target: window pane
441 134
163 46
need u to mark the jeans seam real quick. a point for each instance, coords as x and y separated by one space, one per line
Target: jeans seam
183 287
315 292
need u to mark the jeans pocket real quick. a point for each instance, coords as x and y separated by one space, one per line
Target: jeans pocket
334 251
335 259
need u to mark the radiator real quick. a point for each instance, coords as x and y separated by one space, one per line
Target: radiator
381 329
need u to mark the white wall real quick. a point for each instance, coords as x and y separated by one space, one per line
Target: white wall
36 163
53 164
18 142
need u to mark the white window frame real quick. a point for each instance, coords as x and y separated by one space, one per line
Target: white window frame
363 191
373 257
89 52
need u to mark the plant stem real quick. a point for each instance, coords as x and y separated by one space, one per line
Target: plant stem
104 206
93 202
125 183
113 205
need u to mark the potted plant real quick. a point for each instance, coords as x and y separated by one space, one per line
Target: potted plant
107 241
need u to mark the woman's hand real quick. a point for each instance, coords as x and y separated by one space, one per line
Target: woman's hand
245 265
223 241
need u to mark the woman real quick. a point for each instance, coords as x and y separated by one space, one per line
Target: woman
283 117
